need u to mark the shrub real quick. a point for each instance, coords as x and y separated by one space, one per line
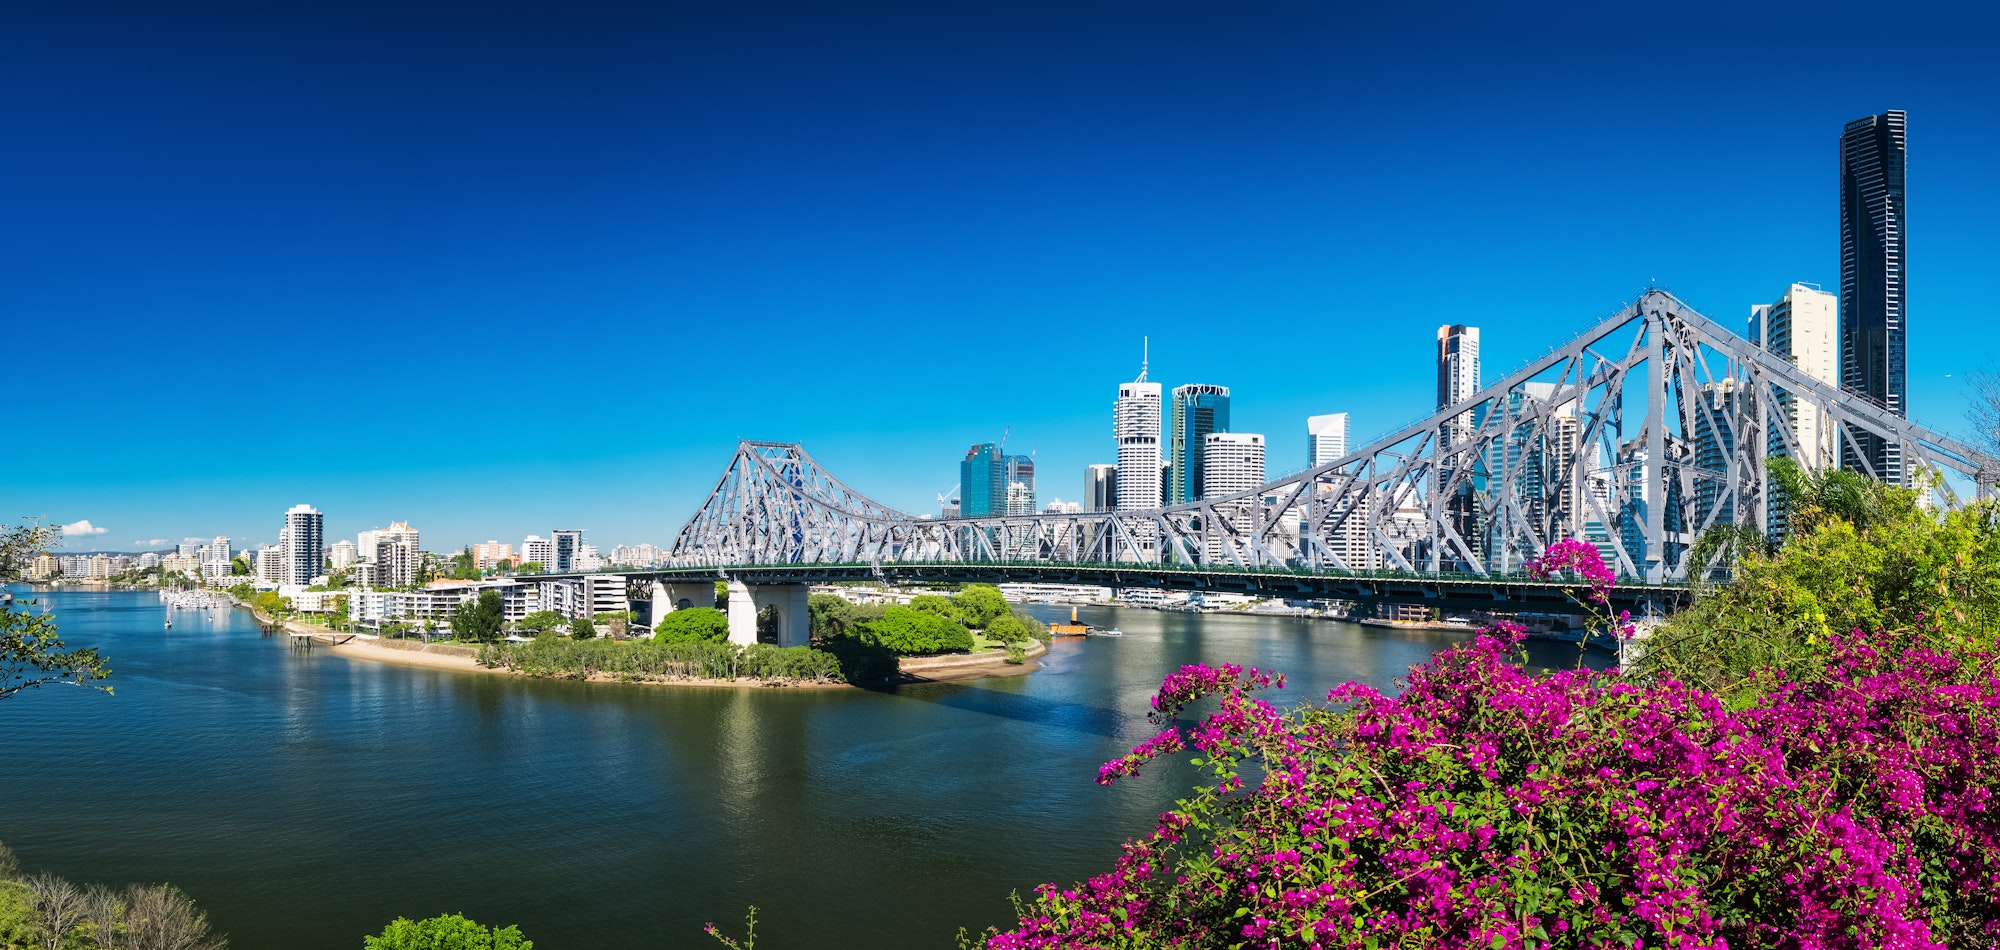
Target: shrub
1486 806
692 625
581 629
448 932
655 660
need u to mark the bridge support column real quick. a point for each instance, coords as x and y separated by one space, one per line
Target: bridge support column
746 601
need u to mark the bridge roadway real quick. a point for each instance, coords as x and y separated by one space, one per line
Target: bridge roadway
1447 592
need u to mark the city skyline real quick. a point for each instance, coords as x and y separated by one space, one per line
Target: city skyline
1189 204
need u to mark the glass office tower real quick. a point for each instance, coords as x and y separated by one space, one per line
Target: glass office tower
1199 410
1872 281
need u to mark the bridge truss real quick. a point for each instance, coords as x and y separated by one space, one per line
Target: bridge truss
1637 434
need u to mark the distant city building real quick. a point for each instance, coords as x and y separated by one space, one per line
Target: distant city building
1873 295
1233 462
538 550
566 545
637 555
1326 438
306 532
1100 488
45 567
1136 426
982 482
1803 326
1458 377
215 558
274 564
487 556
397 558
1198 410
587 559
1714 448
1020 475
342 555
1061 507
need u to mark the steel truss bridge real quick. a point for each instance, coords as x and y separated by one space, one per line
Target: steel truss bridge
1638 434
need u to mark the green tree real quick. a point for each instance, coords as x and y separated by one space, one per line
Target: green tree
940 606
980 604
1008 628
541 620
834 616
478 620
464 567
531 567
910 632
691 625
31 654
239 567
582 629
448 932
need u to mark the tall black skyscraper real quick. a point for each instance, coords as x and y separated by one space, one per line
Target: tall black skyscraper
1872 279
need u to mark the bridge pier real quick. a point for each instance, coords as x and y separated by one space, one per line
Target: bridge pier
747 600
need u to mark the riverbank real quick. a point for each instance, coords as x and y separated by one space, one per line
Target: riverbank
463 659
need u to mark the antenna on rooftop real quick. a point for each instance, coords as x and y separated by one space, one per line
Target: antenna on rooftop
1145 356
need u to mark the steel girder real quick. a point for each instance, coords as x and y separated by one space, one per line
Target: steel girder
1637 435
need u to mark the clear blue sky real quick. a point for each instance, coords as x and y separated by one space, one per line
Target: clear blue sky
494 268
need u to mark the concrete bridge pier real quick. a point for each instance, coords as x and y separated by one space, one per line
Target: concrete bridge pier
668 598
748 600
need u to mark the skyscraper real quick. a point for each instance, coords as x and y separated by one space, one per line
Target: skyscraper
1872 289
1136 425
1100 488
303 536
1803 327
567 546
1020 478
982 482
1198 409
1326 438
1458 376
1235 462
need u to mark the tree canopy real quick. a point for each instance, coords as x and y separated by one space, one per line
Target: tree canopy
541 620
582 629
980 604
911 632
478 620
447 932
692 625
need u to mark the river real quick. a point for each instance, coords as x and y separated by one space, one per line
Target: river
305 799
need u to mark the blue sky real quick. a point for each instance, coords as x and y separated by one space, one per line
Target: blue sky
497 268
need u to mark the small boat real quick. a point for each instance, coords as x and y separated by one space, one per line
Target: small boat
170 625
1111 632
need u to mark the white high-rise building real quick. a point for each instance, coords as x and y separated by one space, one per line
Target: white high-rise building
273 564
1458 377
341 555
1135 423
397 556
1326 438
1803 326
536 550
215 558
305 531
1232 462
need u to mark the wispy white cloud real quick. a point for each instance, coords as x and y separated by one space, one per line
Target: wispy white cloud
83 527
151 543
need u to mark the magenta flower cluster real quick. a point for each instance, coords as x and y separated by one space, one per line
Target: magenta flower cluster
1489 807
1584 561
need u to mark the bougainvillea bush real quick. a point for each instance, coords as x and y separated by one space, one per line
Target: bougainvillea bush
1485 806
